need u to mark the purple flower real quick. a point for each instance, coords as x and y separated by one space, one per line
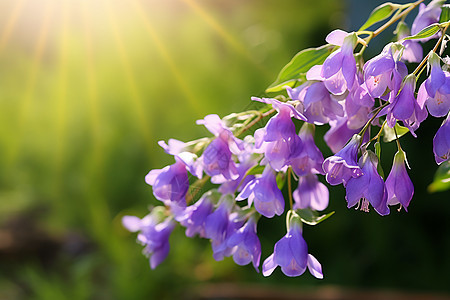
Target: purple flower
217 160
402 107
412 52
291 254
358 105
220 225
369 187
441 142
383 72
338 134
427 15
310 160
247 159
154 234
264 192
400 188
310 193
171 183
342 166
247 245
319 105
279 140
435 91
341 60
194 216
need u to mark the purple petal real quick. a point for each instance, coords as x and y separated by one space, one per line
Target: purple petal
315 268
269 265
131 223
332 64
336 37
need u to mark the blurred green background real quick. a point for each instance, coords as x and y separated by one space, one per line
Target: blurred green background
87 88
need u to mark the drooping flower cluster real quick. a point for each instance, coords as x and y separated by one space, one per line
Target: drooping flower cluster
359 101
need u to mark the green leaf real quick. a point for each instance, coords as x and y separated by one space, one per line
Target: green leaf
257 169
424 33
441 180
378 153
389 133
281 180
445 13
299 65
311 217
380 13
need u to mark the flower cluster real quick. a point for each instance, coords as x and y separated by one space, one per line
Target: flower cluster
359 101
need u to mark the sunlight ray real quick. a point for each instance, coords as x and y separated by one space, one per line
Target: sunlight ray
202 13
163 51
10 24
30 83
91 80
61 89
95 201
135 94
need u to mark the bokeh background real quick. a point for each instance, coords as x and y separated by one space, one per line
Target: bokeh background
87 88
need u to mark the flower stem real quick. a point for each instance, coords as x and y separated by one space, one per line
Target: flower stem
396 17
289 175
196 188
377 111
256 120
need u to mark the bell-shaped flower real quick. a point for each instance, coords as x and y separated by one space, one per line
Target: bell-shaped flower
291 254
171 183
399 186
428 14
406 108
382 72
358 106
402 106
154 233
441 142
319 105
220 225
194 216
310 160
341 60
412 51
339 134
247 244
217 160
265 194
369 187
342 166
435 90
247 159
310 193
278 140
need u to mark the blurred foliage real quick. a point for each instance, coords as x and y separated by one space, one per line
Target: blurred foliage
87 89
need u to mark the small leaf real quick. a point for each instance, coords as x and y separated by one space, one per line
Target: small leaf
380 13
389 133
299 65
311 217
424 33
445 13
257 169
441 180
378 153
281 180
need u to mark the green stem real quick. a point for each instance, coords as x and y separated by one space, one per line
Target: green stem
289 175
378 109
256 120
